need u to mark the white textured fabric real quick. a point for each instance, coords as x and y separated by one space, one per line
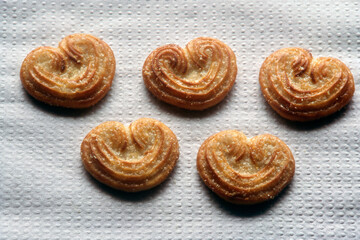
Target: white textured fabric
45 193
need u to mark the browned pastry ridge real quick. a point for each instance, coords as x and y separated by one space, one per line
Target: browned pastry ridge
77 74
133 158
301 88
196 77
245 171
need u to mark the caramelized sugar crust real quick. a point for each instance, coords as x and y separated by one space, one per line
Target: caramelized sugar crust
133 158
242 170
301 88
196 77
76 74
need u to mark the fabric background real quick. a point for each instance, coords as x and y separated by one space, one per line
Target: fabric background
45 193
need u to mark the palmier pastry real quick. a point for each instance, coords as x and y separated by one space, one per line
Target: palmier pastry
77 74
301 88
196 77
245 171
133 158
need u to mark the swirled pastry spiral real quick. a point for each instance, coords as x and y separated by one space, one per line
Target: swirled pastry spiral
196 77
301 88
77 74
245 171
133 158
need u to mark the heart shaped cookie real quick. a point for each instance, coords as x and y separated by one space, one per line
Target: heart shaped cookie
245 171
196 77
301 88
133 158
77 74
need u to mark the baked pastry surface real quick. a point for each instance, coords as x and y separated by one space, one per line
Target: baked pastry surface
196 77
302 88
245 171
133 158
77 74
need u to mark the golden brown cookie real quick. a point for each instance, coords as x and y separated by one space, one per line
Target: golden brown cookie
196 77
77 74
245 171
301 88
133 158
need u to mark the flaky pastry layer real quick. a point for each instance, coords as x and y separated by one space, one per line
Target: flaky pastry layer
245 171
196 77
133 158
301 88
77 74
